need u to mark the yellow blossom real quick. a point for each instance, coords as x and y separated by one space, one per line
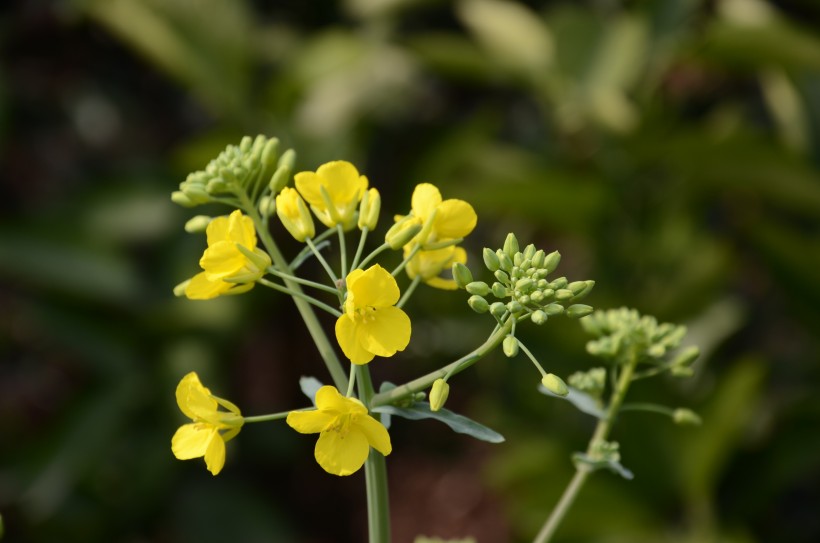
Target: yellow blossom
346 431
210 430
370 325
429 264
333 192
442 219
294 214
228 270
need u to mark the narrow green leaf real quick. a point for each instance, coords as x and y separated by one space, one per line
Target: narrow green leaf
583 401
459 423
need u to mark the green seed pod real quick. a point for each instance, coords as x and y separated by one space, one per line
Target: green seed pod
555 384
498 309
438 394
551 261
554 309
478 304
576 311
511 245
514 307
499 290
539 317
510 346
502 276
478 287
197 224
462 275
504 260
490 259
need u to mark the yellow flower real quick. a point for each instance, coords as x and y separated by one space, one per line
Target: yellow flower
333 192
346 431
442 220
211 429
294 214
429 265
227 269
370 324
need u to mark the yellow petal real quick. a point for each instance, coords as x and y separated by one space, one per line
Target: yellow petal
455 219
388 332
376 434
192 440
426 198
343 182
217 230
201 287
310 422
241 230
441 283
348 335
215 455
222 259
375 287
194 399
341 453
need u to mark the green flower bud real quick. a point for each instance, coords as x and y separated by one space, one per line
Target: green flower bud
555 384
538 258
438 394
539 317
524 300
490 259
686 357
267 206
504 260
577 286
511 245
559 283
197 224
514 307
498 309
195 193
270 154
554 309
681 371
529 251
525 285
510 346
551 261
526 265
369 209
515 272
577 311
502 276
281 176
478 304
686 416
478 287
499 290
179 198
537 296
563 294
518 259
462 275
400 234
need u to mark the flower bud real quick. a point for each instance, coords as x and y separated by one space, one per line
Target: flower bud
498 309
559 283
478 287
269 154
686 357
554 309
369 209
563 294
518 259
511 245
524 285
478 304
510 346
294 214
267 206
555 384
197 224
490 259
438 394
576 311
504 260
686 416
539 317
462 275
529 251
551 261
538 258
499 290
181 199
514 307
402 233
502 276
284 168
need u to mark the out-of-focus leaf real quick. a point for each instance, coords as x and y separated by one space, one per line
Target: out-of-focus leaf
787 108
584 402
612 465
310 386
458 423
773 44
453 56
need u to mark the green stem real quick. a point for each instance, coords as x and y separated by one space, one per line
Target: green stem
424 382
376 252
302 256
375 473
312 324
531 357
266 418
404 262
359 249
409 292
582 471
301 281
342 249
322 261
302 296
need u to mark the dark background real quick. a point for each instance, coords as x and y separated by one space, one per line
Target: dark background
669 149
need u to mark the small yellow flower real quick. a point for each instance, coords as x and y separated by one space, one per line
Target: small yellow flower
346 431
442 219
370 325
429 265
227 269
294 214
333 192
211 429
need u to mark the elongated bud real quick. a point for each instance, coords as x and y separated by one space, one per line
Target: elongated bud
402 233
686 416
553 309
478 287
499 290
563 294
686 357
270 153
576 311
267 206
538 259
181 199
281 176
462 275
502 276
539 317
438 394
369 209
197 224
555 384
179 290
504 260
511 245
551 261
293 212
490 259
478 304
559 283
510 346
529 251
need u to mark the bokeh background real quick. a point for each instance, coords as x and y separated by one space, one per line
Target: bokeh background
668 148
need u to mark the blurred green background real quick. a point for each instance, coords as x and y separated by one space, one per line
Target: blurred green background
669 149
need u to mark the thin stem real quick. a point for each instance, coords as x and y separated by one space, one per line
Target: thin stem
301 257
273 416
352 381
322 261
532 358
375 472
301 281
582 470
359 249
342 249
407 259
648 407
301 296
424 382
409 292
371 256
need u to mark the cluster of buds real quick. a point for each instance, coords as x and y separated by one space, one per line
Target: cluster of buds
250 168
624 333
522 282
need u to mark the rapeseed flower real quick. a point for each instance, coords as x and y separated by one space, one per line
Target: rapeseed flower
346 431
333 192
442 220
227 269
429 264
211 428
370 325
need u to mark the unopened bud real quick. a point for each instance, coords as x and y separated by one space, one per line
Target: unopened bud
197 224
529 251
438 394
284 168
551 261
686 357
539 317
478 287
498 309
499 290
504 260
563 294
686 416
510 346
180 198
490 259
511 245
270 153
514 307
555 384
401 233
553 309
369 209
576 311
559 283
462 275
478 304
267 206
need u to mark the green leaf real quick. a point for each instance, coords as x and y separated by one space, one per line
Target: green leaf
612 465
459 423
583 401
309 386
